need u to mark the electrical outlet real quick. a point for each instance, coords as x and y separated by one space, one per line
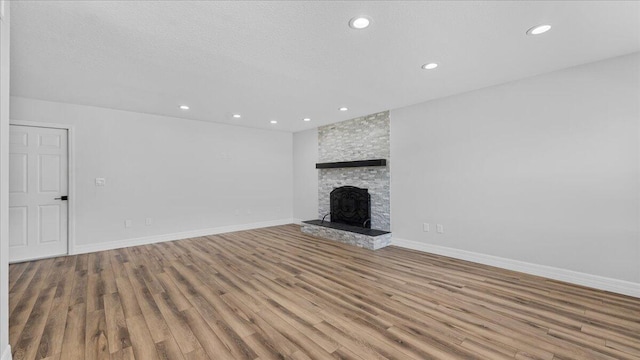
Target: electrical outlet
128 223
440 228
101 181
148 221
425 227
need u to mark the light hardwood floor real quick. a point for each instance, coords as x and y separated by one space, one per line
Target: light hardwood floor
276 293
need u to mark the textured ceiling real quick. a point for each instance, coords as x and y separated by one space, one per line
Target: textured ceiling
288 60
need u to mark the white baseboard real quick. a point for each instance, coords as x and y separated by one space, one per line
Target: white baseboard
573 277
6 354
296 221
110 245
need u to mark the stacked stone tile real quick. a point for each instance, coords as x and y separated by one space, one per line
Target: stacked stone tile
361 138
351 238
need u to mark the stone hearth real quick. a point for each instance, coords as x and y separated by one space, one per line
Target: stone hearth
365 238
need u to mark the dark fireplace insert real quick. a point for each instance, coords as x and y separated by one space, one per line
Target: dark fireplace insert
351 205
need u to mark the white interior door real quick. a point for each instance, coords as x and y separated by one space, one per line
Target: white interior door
38 184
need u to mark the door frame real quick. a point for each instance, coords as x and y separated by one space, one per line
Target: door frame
71 190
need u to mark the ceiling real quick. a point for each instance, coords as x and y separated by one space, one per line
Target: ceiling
286 60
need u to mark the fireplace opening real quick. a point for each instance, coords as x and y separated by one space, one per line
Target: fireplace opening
351 205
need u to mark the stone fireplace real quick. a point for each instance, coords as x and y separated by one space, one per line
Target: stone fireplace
354 182
361 138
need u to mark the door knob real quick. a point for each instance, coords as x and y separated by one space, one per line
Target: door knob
65 197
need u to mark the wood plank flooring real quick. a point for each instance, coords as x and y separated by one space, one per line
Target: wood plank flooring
276 293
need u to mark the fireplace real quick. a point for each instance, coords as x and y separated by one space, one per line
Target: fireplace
350 220
351 205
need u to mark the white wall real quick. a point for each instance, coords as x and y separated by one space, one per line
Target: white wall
544 170
4 184
305 175
185 175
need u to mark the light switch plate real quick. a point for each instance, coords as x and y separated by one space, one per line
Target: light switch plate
101 181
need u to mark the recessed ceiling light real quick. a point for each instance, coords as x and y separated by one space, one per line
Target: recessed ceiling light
430 66
306 119
273 121
237 116
360 22
343 109
184 107
539 29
